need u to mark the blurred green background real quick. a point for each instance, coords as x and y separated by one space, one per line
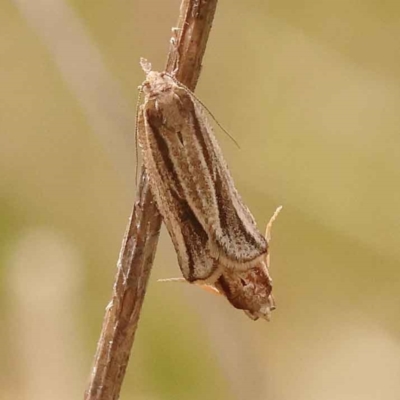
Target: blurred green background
311 92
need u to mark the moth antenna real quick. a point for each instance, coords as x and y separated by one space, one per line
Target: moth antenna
268 230
205 286
136 132
205 107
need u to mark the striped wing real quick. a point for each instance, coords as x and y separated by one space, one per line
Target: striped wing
209 225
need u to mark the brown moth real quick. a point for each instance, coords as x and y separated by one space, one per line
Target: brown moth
213 232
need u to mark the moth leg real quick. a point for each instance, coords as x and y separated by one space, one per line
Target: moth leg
205 286
268 230
182 280
271 221
208 288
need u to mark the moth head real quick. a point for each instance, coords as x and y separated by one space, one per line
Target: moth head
156 83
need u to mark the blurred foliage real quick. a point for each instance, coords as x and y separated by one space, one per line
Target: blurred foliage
311 92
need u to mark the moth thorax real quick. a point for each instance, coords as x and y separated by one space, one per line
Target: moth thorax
157 83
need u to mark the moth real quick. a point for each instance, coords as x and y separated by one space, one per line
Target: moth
214 234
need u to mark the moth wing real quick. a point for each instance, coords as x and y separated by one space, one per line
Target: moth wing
187 233
191 242
234 237
195 193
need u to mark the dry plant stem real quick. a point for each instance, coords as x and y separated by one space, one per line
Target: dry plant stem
140 241
188 47
122 313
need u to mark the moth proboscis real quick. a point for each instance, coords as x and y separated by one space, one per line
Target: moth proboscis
214 234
